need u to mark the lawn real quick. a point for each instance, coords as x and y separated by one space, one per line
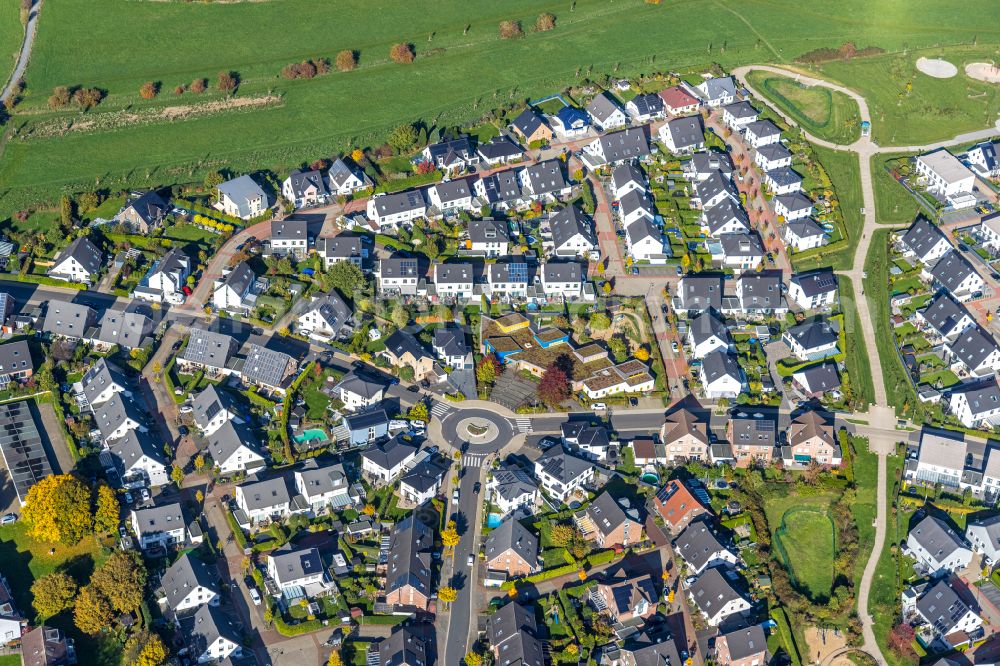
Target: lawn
454 79
805 541
932 109
863 508
11 35
822 112
859 370
843 170
893 204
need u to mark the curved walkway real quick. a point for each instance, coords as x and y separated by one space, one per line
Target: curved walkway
25 54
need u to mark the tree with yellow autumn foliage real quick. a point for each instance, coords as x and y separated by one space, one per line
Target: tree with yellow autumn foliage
58 510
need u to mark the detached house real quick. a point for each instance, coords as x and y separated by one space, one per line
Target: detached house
804 234
117 416
451 349
738 115
678 506
391 210
167 279
813 290
944 175
701 548
265 500
572 232
298 572
404 350
618 147
949 620
627 596
511 489
214 408
794 206
720 375
326 318
976 404
408 570
80 261
397 275
954 273
342 180
783 180
209 351
211 636
143 212
741 252
500 150
945 317
345 246
101 381
451 156
531 127
984 537
235 291
772 156
189 584
937 548
982 159
290 236
761 133
268 369
627 177
544 181
608 523
679 102
697 292
605 113
358 391
714 189
15 362
162 526
454 281
243 198
513 549
974 351
708 333
305 188
138 459
562 474
128 330
645 107
683 135
718 91
715 596
324 487
811 341
570 122
450 196
385 461
562 280
815 381
233 449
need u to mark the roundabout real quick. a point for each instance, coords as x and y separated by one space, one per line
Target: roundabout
476 430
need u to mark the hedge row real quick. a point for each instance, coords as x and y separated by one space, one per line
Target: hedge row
544 575
241 538
416 180
390 620
599 558
43 280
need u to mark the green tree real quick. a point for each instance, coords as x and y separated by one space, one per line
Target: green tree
618 348
406 373
400 316
419 412
346 278
213 179
58 509
122 581
403 138
106 515
53 593
599 322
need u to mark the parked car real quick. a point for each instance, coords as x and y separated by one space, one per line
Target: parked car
472 560
476 488
674 347
122 532
255 596
454 496
128 498
8 519
597 406
186 409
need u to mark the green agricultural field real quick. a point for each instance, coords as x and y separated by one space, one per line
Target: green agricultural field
11 35
805 541
822 112
462 71
933 108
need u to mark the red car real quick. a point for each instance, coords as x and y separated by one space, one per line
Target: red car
187 290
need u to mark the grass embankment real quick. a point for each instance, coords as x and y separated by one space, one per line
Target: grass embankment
893 203
824 113
844 173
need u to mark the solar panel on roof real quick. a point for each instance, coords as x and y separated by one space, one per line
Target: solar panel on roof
518 272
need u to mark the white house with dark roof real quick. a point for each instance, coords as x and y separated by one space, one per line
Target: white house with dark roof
345 246
627 177
343 180
265 500
359 391
243 198
811 341
982 159
772 156
945 317
454 280
298 572
233 449
738 115
644 242
211 636
500 150
949 621
385 461
544 181
976 404
117 416
290 236
683 135
213 408
794 206
422 481
450 196
562 279
207 350
714 189
635 206
391 210
783 180
138 459
974 351
697 292
760 293
814 381
701 548
804 234
511 489
605 113
936 547
983 536
561 474
450 347
305 188
322 487
741 252
924 242
715 596
489 237
80 261
645 107
704 164
235 291
507 280
189 584
128 330
166 279
954 273
161 525
451 155
717 91
572 232
617 147
708 333
397 275
720 375
761 133
101 381
728 217
326 318
814 289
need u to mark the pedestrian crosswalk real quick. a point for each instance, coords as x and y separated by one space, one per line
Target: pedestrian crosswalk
524 425
440 409
473 460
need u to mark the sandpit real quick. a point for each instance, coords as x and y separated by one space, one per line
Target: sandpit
983 71
822 644
939 69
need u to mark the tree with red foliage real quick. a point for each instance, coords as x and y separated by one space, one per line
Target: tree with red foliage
424 167
901 639
489 369
554 387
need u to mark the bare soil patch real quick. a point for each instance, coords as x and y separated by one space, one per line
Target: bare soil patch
820 644
936 67
983 71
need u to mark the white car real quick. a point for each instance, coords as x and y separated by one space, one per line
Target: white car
598 406
454 497
255 596
186 409
472 560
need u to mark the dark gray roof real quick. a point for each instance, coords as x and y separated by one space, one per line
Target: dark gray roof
361 384
15 357
209 348
528 122
488 231
400 202
290 228
206 626
562 271
513 483
743 643
512 535
805 228
991 525
944 313
450 152
100 376
643 228
22 448
209 403
67 319
951 269
718 364
719 87
706 325
512 631
267 493
716 183
184 575
941 606
983 396
365 420
401 342
753 429
332 308
293 564
228 439
85 252
704 162
398 267
424 475
453 273
627 144
133 446
340 173
698 543
936 537
795 201
266 366
636 200
502 186
784 176
922 236
712 591
453 190
302 180
500 147
562 465
161 518
148 205
409 556
127 329
763 128
741 110
774 152
648 104
240 278
389 454
628 172
722 214
345 245
601 107
174 261
973 346
406 646
813 334
687 131
567 223
819 378
649 649
742 245
817 282
701 291
606 513
546 177
451 340
112 414
762 290
320 480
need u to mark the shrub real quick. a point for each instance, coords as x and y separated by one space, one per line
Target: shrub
88 98
401 54
545 21
228 81
199 86
510 29
179 90
149 89
346 60
60 97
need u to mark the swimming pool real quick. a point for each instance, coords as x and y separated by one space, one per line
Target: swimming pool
310 435
493 521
